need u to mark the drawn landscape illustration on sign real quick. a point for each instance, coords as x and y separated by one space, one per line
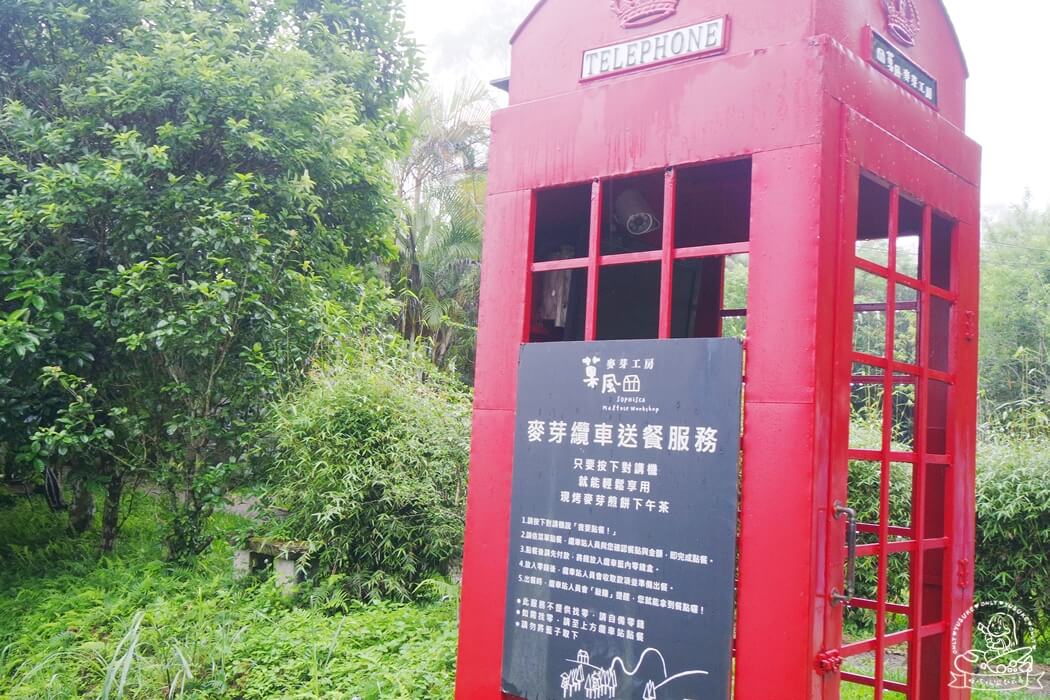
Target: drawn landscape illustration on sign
597 683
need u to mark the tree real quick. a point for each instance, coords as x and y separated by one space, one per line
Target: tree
442 189
179 208
1015 320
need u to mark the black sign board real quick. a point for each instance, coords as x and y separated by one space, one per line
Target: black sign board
623 521
892 61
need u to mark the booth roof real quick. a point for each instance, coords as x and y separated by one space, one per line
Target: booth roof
944 10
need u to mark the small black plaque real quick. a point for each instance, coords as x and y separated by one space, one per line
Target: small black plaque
623 520
892 61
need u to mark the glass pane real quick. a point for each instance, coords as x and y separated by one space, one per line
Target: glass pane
895 659
632 214
903 435
710 293
696 303
909 235
873 219
736 282
563 219
734 327
898 581
866 410
558 306
901 484
933 578
933 516
869 318
906 328
713 204
868 581
940 319
857 624
862 371
941 251
629 302
855 691
865 485
937 401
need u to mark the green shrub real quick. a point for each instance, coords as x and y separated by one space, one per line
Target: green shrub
370 463
1013 526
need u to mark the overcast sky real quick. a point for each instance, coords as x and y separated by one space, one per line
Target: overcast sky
1006 49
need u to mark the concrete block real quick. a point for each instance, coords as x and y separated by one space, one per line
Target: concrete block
285 574
242 563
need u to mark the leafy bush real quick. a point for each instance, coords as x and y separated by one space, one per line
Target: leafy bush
371 462
181 184
1013 526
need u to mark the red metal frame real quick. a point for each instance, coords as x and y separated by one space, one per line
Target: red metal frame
928 665
792 96
666 255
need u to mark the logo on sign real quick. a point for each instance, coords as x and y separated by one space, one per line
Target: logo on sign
611 382
902 20
638 13
892 61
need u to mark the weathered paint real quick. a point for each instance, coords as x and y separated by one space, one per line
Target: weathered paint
794 92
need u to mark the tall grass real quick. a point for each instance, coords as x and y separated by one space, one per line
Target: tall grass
73 625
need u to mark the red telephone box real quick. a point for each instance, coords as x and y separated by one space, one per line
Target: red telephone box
794 173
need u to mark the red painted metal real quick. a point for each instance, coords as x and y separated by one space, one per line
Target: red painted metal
795 94
594 238
667 256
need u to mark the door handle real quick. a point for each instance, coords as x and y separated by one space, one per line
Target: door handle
850 514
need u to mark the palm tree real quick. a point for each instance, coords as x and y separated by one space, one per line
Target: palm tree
442 189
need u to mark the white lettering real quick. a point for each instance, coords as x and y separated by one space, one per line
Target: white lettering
677 44
592 65
714 34
661 48
696 38
632 55
647 48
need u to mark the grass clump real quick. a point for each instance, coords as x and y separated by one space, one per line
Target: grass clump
73 625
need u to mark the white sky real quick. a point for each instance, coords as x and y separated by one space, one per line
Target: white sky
1006 48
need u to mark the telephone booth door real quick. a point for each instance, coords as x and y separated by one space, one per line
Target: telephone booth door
903 440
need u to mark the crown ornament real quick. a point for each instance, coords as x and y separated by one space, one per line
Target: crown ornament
638 13
902 20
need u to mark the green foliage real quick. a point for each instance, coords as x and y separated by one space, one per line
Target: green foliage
180 199
76 626
1013 526
442 186
1015 321
371 462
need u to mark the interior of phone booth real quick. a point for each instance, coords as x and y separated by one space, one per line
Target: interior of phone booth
709 293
